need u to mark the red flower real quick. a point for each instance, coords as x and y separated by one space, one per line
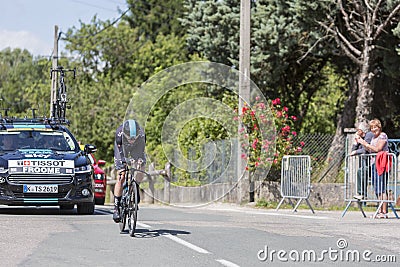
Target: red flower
285 109
276 101
286 128
254 145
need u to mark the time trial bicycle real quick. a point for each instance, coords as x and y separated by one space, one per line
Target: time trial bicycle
130 198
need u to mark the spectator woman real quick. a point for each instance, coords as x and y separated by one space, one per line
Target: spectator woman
378 144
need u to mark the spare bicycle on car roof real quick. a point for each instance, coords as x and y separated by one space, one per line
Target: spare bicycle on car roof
60 103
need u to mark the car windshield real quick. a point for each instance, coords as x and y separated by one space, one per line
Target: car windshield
36 139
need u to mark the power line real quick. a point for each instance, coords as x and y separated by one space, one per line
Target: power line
112 23
92 5
96 33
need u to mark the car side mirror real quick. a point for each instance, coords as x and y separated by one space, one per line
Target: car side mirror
90 149
101 162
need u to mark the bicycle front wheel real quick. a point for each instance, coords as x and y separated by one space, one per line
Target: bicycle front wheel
133 208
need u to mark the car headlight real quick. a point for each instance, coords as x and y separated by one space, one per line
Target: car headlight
3 170
83 169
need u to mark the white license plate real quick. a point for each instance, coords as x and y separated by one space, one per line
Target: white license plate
32 188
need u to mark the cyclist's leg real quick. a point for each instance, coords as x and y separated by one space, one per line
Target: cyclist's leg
118 194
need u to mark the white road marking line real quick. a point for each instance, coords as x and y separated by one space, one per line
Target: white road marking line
187 244
294 215
143 225
276 214
103 212
191 246
227 263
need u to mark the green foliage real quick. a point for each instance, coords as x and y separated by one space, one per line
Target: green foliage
213 29
326 104
262 203
24 83
115 61
185 180
281 63
152 18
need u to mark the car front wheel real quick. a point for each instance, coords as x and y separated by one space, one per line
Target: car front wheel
67 207
100 201
85 208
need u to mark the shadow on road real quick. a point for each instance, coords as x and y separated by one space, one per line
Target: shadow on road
32 210
152 233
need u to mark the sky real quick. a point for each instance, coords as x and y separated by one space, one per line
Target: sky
30 24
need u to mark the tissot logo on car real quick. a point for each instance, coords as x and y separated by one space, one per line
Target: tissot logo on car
42 166
50 163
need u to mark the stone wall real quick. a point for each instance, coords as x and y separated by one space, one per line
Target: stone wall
192 195
322 195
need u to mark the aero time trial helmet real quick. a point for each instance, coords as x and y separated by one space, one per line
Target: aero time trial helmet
130 130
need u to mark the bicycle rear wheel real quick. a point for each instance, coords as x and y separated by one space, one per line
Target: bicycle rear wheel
122 212
133 208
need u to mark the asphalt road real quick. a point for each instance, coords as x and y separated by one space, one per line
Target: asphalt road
213 235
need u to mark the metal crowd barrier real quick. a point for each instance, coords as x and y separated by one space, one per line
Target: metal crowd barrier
363 184
296 180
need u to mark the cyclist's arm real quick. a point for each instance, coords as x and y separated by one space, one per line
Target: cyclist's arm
119 159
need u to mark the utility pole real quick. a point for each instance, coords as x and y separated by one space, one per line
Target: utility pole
54 74
244 92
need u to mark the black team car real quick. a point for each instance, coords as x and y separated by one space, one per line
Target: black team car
41 164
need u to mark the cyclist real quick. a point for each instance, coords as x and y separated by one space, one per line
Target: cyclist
130 141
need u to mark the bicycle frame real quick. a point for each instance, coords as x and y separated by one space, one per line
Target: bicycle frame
60 103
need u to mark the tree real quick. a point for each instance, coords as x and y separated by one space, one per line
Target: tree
152 18
282 31
213 29
24 83
280 38
116 58
358 28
